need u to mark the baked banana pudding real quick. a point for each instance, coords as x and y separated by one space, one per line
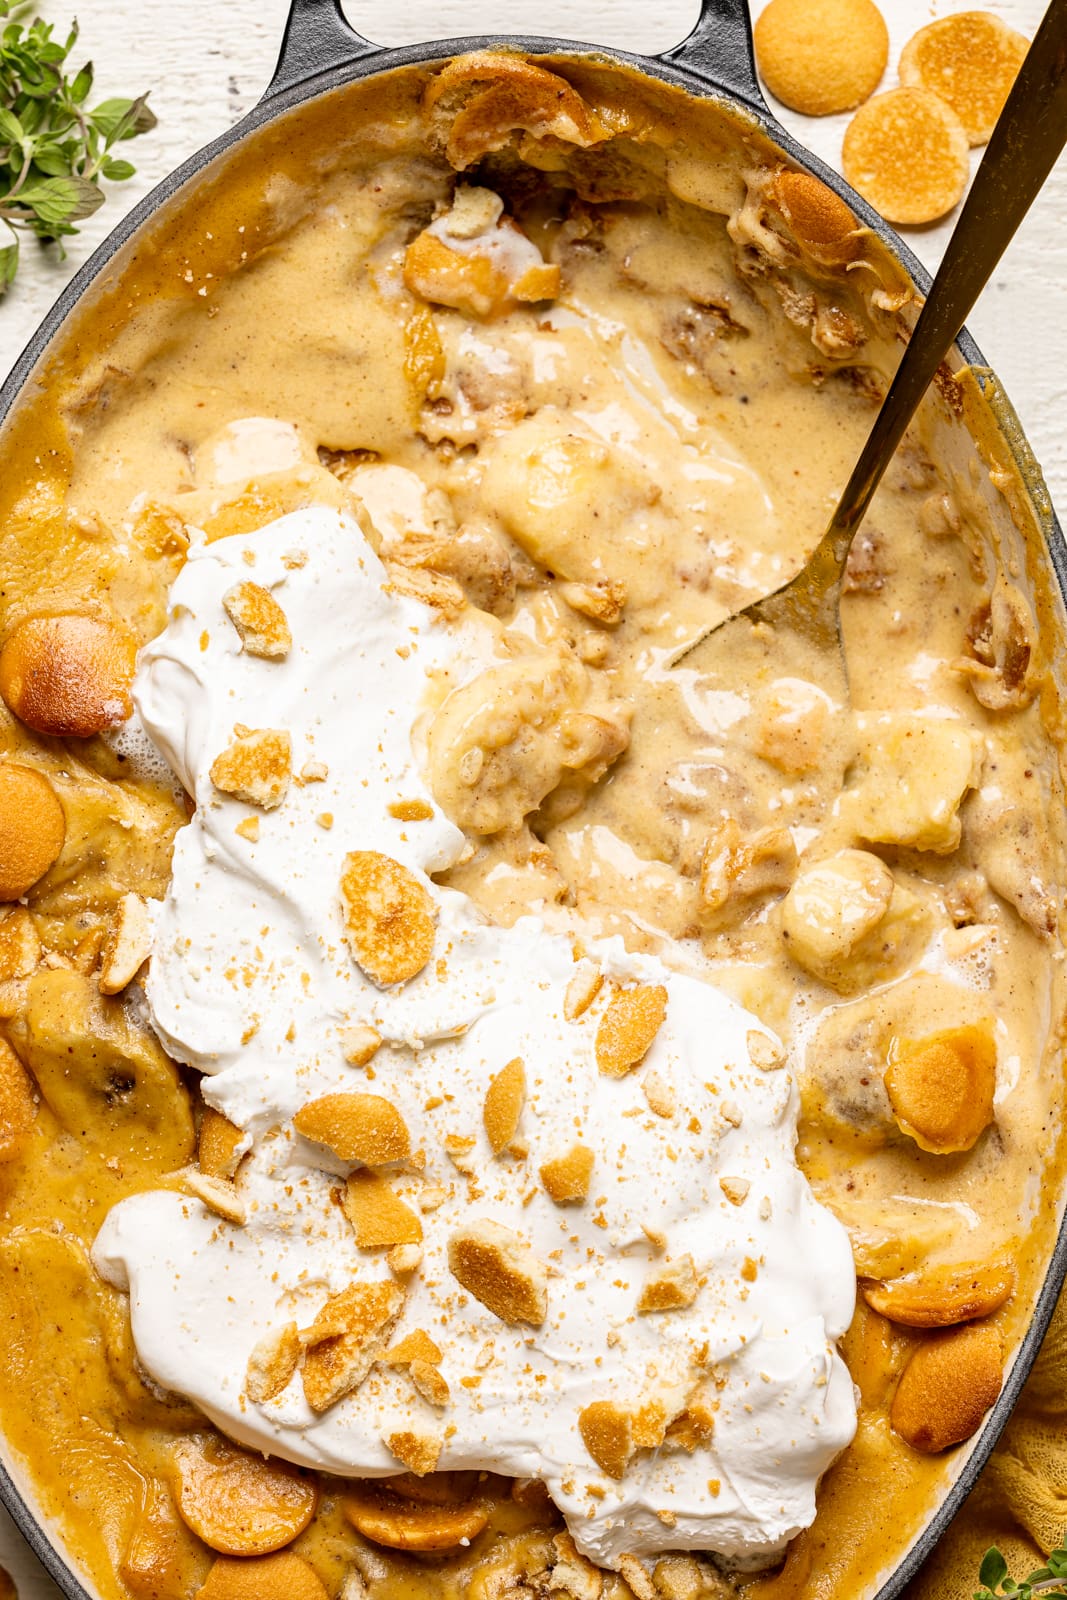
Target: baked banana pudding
486 1110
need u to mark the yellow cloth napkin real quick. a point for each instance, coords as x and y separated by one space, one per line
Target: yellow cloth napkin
1020 1501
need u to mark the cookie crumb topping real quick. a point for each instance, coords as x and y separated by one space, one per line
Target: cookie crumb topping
672 1287
273 1363
255 767
345 1340
504 1100
567 1177
388 917
629 1024
418 1451
498 1268
260 621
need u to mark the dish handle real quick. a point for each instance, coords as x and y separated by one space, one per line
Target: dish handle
316 38
720 49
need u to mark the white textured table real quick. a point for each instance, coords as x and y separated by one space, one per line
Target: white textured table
207 61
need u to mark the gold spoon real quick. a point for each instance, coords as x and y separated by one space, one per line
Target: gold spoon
796 631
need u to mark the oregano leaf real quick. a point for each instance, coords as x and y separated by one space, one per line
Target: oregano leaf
994 1569
56 200
54 155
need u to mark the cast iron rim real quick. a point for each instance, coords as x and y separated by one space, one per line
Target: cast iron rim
369 64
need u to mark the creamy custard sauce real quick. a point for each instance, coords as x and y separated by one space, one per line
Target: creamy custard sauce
497 385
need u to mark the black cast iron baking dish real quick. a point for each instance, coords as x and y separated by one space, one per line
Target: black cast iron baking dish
320 52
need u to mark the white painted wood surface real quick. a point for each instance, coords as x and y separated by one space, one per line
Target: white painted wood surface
207 61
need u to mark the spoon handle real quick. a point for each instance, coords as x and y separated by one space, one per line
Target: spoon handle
1026 142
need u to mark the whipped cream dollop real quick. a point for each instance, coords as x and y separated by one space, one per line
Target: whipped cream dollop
252 983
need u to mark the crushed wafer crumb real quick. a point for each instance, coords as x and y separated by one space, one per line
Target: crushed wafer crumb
272 1364
218 1194
345 1339
248 828
735 1190
256 767
694 1425
432 1197
360 1043
671 1287
434 589
659 1094
629 1024
582 990
314 772
218 1148
763 1052
429 1382
418 1451
607 1433
633 1571
414 1346
404 1258
261 624
500 1270
731 1112
357 1127
649 1423
379 1217
504 1100
411 810
128 945
573 1576
458 1148
388 916
567 1177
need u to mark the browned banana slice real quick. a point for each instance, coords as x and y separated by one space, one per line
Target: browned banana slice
162 1557
944 1295
239 1504
448 1488
407 1525
947 1387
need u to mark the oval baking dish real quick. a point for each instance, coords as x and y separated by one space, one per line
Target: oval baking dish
322 57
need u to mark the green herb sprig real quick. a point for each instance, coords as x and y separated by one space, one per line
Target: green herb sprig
54 151
995 1579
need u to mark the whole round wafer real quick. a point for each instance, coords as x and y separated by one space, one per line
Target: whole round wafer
906 152
971 61
821 56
